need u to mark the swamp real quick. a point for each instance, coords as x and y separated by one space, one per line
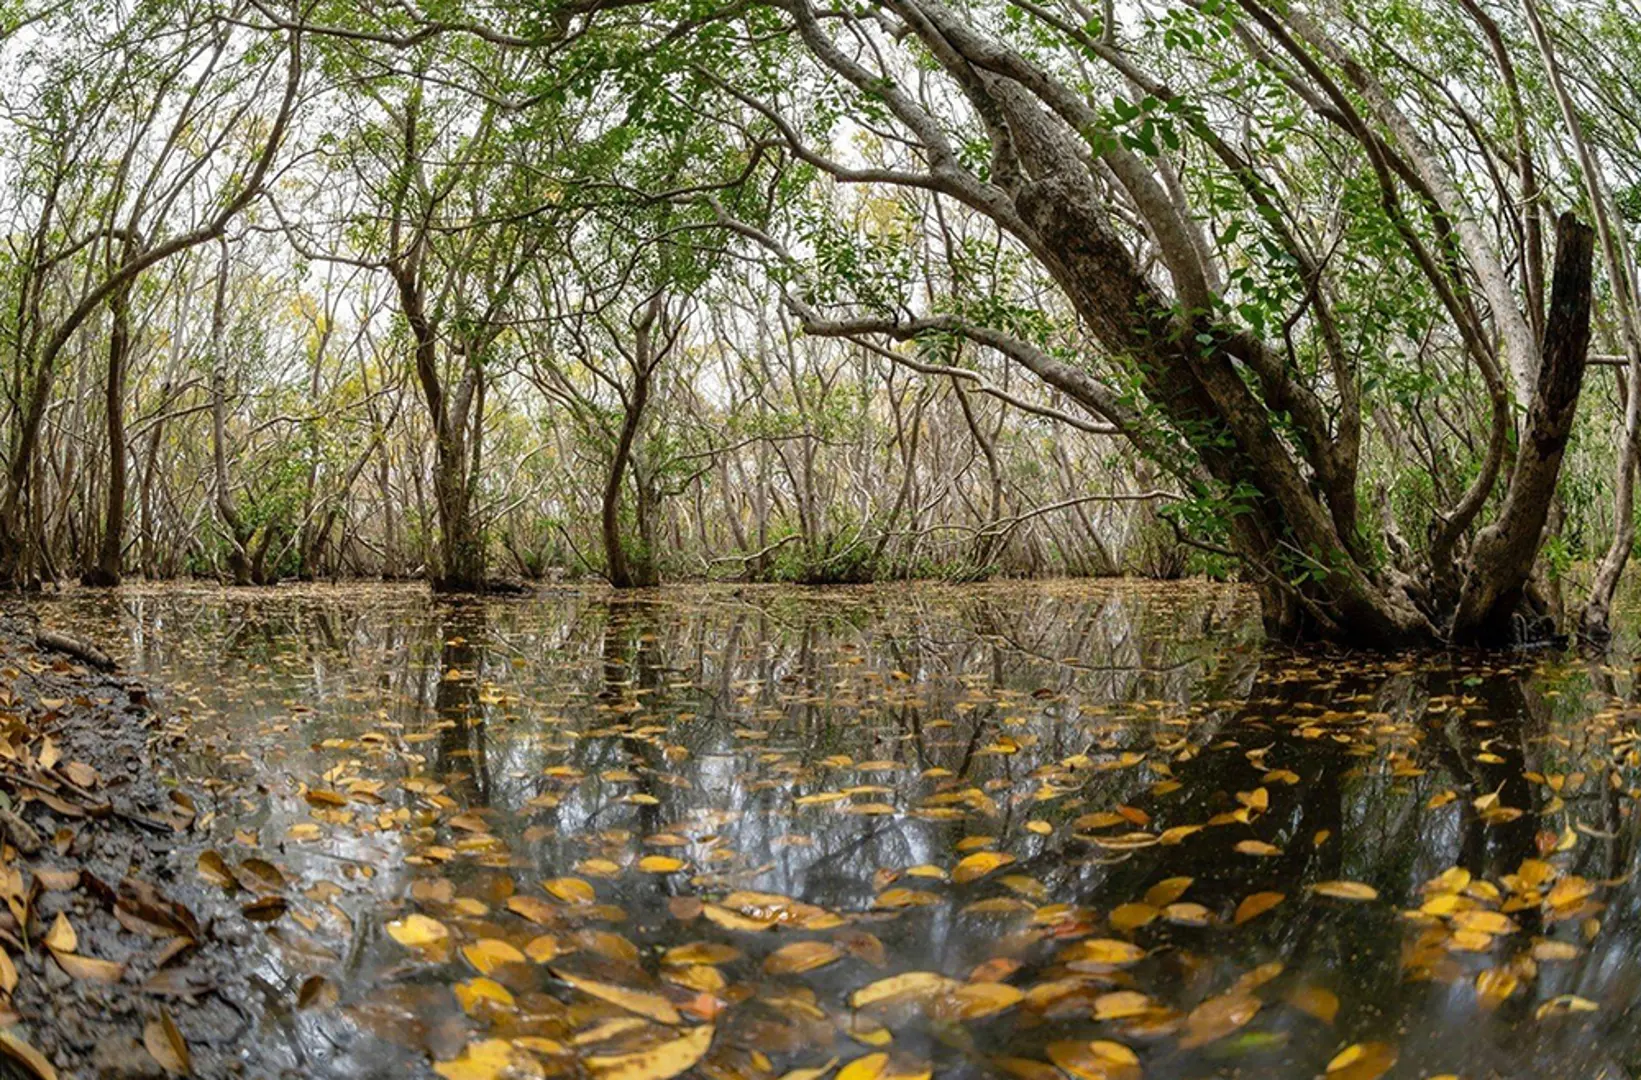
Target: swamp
978 829
769 540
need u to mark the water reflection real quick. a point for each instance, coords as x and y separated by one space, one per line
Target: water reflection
846 749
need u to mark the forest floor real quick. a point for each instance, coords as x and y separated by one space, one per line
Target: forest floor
107 971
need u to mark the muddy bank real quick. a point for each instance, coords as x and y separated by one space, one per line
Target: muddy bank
117 964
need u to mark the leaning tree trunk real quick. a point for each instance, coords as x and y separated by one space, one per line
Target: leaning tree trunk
111 553
1502 557
620 569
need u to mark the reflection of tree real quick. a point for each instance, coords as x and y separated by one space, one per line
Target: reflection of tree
777 682
462 748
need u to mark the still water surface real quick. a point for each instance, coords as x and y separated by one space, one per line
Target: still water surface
1098 823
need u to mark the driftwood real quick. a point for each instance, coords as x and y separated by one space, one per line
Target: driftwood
80 650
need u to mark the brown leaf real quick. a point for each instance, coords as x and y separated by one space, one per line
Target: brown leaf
166 1045
15 1049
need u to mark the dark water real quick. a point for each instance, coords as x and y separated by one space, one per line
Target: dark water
841 751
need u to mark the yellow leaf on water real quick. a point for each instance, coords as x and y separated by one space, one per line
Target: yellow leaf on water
1218 1017
972 1001
1126 917
476 992
904 987
900 897
641 1002
8 973
418 932
1566 1003
1548 950
543 948
571 890
660 864
1100 1059
1122 1005
1166 891
1346 890
486 1059
660 1062
865 1067
801 956
1187 914
1258 848
701 952
1108 953
1494 985
1315 1001
1484 922
1362 1061
1254 905
978 865
488 954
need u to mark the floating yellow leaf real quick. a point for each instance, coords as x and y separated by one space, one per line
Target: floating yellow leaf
660 864
1346 890
978 865
1494 985
486 1059
972 1001
1166 891
801 956
904 987
481 991
1100 1059
1218 1017
1126 917
1254 905
660 1062
865 1067
1108 953
1565 1003
488 954
1122 1005
418 932
571 890
1362 1061
641 1002
1315 1001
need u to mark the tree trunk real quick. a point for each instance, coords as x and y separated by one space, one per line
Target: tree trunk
1502 556
620 570
110 554
239 560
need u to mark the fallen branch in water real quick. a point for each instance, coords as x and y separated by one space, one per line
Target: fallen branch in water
80 650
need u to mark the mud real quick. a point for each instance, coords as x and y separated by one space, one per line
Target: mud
92 833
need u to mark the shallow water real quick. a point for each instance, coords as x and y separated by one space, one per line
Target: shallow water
1054 799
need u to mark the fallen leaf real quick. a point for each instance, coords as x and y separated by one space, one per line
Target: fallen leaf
166 1045
660 1062
641 1002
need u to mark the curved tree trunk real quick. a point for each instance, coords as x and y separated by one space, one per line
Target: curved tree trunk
1503 554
